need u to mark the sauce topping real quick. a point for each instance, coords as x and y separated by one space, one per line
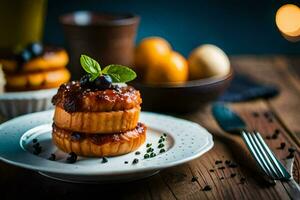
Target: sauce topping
73 98
99 139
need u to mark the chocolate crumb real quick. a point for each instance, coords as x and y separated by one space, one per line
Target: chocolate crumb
104 160
126 162
135 161
277 131
211 170
274 136
291 149
194 178
227 162
282 145
37 151
291 155
268 137
222 178
268 114
232 175
233 165
222 167
243 179
255 114
207 188
36 145
218 162
270 120
52 157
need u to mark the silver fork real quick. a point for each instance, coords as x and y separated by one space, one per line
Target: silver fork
268 162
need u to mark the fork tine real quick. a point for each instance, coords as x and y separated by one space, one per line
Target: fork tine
266 158
256 154
279 166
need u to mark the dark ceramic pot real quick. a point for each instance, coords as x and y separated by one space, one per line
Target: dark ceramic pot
107 37
185 98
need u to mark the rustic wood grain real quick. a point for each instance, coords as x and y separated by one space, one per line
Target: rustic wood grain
275 70
187 181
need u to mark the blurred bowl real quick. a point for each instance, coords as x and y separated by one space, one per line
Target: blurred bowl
185 98
13 104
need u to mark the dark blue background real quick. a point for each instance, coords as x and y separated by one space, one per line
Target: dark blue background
238 27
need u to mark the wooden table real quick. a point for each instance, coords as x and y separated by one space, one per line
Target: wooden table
188 180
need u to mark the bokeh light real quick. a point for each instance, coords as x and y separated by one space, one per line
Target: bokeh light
288 21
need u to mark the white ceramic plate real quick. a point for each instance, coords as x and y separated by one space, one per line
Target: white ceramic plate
185 141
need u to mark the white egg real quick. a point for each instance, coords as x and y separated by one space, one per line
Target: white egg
208 60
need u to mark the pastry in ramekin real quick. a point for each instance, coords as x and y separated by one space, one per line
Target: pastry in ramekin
49 58
36 68
31 77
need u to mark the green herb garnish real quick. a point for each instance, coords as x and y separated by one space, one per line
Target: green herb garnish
152 155
118 73
148 145
162 150
150 150
161 145
146 156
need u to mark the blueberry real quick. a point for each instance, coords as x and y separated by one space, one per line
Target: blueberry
85 80
70 105
76 136
52 157
24 56
103 82
35 48
72 158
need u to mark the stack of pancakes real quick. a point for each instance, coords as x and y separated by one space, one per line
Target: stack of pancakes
47 70
97 123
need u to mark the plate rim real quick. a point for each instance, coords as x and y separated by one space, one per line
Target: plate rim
209 144
32 94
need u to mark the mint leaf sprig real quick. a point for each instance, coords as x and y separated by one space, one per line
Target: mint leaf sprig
118 73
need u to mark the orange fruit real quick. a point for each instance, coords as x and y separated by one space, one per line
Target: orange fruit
150 50
171 69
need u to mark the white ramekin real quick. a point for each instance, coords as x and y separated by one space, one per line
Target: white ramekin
13 104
